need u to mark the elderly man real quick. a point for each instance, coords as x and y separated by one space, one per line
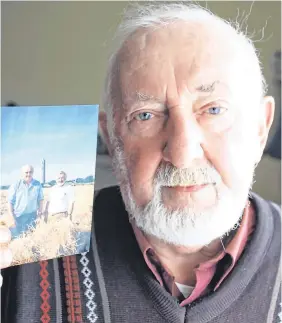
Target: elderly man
25 201
61 199
182 239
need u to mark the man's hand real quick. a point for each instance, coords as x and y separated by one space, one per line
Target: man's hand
8 220
5 253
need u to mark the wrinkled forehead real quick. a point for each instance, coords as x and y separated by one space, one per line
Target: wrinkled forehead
162 62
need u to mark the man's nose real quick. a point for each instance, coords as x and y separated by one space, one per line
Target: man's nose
184 142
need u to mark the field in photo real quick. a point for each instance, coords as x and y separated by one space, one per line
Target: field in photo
57 237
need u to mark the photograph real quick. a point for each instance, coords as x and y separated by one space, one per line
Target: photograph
47 179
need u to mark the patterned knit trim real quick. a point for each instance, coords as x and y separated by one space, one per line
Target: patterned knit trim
45 306
72 290
89 293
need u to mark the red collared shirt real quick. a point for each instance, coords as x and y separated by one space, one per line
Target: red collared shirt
217 268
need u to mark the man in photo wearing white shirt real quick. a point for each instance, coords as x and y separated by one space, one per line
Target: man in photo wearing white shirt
61 199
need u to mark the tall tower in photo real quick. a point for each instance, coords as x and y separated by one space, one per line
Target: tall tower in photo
43 171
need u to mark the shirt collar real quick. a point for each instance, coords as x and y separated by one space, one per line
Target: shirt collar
28 184
234 248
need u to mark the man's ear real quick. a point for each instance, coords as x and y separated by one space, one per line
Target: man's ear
266 120
104 131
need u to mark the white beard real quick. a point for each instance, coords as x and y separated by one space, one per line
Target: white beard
187 226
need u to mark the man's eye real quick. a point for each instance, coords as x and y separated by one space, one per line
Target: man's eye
144 116
214 110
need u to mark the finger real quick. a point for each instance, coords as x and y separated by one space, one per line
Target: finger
6 258
7 222
5 235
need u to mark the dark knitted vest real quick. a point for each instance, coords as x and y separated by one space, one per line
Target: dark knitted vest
111 283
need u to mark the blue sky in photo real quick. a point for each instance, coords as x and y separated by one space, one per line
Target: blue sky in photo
65 136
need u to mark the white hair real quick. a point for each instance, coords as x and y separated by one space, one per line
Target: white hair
28 166
64 173
157 15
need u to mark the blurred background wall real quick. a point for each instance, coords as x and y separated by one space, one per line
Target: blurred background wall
55 53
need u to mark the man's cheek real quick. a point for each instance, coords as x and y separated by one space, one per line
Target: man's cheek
143 162
240 164
233 161
141 171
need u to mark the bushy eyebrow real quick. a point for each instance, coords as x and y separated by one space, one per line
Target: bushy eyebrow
207 88
141 97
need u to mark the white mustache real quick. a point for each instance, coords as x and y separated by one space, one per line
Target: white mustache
169 175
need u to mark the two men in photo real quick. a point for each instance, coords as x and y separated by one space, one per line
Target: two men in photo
26 201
